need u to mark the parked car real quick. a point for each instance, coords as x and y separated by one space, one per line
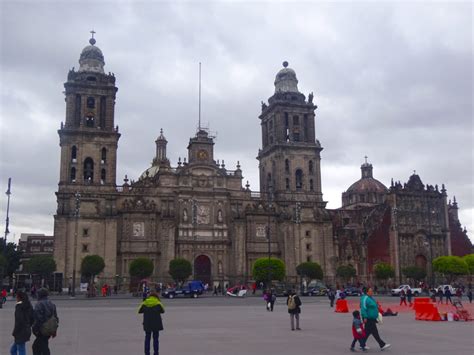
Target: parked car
396 291
443 287
352 291
281 288
315 288
191 289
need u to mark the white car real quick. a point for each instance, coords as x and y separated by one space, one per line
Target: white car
396 291
443 287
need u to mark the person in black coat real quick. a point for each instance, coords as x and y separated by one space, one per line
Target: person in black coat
294 309
152 308
23 321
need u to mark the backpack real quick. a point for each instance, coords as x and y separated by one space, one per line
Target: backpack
50 327
291 303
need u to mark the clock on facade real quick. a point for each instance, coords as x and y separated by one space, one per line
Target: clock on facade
202 155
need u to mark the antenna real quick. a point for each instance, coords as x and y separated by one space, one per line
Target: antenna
199 125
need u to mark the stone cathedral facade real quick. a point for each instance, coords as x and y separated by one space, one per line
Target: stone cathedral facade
200 210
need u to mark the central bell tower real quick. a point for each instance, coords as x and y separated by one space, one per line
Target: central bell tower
290 155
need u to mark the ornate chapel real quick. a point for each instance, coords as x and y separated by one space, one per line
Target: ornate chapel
200 210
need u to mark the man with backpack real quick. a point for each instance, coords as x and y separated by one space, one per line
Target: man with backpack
294 303
45 323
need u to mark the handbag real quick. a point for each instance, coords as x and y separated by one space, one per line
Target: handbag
380 318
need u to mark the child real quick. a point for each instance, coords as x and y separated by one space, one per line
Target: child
358 332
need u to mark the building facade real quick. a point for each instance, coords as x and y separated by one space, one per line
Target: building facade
200 210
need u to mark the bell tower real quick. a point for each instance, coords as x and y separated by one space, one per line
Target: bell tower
290 155
88 138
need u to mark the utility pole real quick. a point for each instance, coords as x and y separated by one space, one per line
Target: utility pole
77 197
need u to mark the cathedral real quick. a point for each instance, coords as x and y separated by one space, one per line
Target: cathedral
200 210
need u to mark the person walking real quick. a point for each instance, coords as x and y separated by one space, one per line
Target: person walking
273 299
440 295
403 298
23 320
294 309
331 297
447 295
152 308
358 332
409 296
370 312
469 295
3 294
45 323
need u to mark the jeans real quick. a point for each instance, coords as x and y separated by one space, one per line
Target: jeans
371 328
40 346
361 343
156 342
18 349
292 319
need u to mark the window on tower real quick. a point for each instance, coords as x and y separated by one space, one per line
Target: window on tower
102 112
299 179
90 102
88 170
77 110
296 121
311 186
74 154
296 136
287 166
287 183
305 128
310 167
73 174
102 176
103 155
90 120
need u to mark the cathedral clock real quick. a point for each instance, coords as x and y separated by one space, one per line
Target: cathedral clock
202 155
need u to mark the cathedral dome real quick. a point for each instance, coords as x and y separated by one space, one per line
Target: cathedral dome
150 172
285 80
367 185
92 59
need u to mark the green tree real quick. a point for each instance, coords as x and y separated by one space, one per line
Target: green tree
141 268
383 271
310 270
346 272
42 265
3 265
180 269
92 265
450 266
263 268
469 259
13 257
414 272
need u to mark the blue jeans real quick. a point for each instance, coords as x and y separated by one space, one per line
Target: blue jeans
18 349
156 343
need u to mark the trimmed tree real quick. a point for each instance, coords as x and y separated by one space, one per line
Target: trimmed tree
346 272
383 271
469 260
450 266
265 268
414 272
91 266
310 270
141 268
42 265
180 269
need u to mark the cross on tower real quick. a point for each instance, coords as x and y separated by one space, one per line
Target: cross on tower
414 172
92 33
366 159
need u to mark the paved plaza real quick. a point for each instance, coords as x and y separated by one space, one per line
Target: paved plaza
229 326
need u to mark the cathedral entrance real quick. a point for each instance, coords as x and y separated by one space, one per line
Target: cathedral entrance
420 261
202 269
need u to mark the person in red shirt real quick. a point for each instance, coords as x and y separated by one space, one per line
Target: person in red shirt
4 296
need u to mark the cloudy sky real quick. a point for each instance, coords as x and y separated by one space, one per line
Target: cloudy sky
392 81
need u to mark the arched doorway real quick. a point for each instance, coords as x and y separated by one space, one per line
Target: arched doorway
202 269
420 261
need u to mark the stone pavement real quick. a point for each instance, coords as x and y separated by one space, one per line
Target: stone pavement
229 326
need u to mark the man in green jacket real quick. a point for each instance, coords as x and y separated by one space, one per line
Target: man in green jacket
369 311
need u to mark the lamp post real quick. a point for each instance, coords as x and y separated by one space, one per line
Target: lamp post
77 197
7 221
270 206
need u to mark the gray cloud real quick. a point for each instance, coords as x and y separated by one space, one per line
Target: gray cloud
392 80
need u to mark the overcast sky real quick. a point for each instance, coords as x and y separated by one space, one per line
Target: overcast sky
392 81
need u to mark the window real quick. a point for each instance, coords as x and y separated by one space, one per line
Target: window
73 174
311 167
102 176
103 155
77 110
103 110
287 166
308 233
90 102
270 125
85 248
309 258
85 232
296 121
308 247
287 183
305 128
90 120
296 136
74 154
286 119
299 179
311 187
88 170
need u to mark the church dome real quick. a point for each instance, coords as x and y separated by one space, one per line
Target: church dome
150 172
367 185
285 80
92 59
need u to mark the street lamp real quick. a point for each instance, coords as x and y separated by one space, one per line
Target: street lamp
77 197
